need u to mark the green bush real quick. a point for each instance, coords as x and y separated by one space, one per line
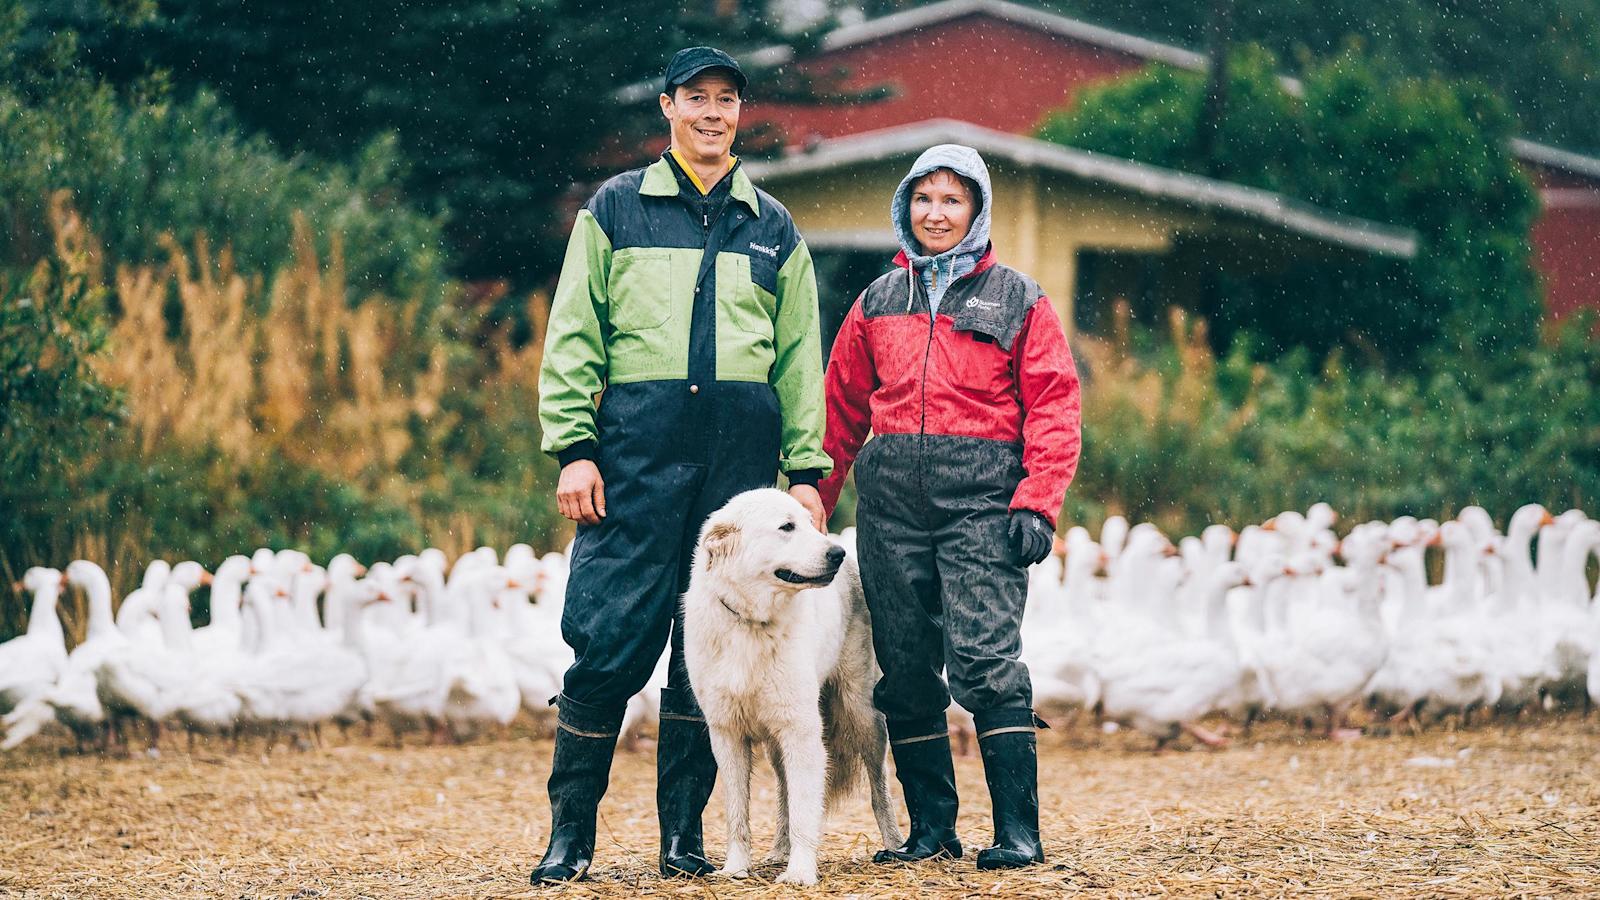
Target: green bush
140 168
1364 140
1184 439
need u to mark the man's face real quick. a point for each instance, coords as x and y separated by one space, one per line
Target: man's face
704 112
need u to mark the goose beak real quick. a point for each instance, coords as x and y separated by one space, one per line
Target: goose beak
63 581
206 578
1270 524
360 570
1546 519
18 586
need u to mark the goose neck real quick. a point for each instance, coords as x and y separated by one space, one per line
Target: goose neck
101 622
43 620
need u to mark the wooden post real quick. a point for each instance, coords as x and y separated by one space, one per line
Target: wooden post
1218 35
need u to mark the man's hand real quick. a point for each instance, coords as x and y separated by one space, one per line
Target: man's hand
581 492
812 501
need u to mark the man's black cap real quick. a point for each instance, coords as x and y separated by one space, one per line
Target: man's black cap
691 61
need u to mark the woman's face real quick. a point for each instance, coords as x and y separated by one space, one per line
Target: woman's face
941 211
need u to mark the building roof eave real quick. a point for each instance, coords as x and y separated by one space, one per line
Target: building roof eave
936 13
1140 178
1053 23
1555 157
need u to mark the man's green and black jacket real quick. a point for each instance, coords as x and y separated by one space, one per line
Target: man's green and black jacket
695 315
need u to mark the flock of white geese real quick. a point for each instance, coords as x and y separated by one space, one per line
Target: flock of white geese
1282 618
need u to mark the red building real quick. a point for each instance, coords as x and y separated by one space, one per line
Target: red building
950 60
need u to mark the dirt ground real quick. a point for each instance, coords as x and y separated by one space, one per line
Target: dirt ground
1495 810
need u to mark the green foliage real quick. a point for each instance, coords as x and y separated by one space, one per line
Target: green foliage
1543 56
1153 116
139 168
498 105
51 403
77 480
1362 140
1239 442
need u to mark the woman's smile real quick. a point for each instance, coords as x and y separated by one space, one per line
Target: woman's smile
941 212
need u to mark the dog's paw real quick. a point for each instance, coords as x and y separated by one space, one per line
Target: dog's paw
778 856
726 872
795 876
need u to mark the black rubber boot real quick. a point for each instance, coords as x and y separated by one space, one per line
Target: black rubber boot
927 775
1006 738
586 738
685 773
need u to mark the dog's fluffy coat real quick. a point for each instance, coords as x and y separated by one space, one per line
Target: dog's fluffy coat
778 646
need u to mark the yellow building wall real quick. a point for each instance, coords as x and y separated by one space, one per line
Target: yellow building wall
1040 219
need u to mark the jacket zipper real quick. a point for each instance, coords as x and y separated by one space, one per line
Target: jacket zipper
922 428
927 355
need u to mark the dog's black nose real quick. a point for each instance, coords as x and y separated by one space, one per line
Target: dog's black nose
835 555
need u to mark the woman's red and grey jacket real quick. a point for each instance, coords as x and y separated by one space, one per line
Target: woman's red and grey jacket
992 365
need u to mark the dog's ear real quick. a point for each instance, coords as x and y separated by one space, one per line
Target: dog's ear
720 541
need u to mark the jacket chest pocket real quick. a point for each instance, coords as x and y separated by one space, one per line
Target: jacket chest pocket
640 289
740 302
976 358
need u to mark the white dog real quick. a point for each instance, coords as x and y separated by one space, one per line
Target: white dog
779 650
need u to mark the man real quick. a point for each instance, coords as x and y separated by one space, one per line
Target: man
688 297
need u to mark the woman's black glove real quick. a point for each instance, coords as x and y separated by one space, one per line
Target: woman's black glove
1031 537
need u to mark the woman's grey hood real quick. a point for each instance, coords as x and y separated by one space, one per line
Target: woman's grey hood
963 161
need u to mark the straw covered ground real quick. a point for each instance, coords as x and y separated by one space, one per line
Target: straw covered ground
1493 810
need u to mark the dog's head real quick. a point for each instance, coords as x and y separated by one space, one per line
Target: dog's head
766 537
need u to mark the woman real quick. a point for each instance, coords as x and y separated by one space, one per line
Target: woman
959 367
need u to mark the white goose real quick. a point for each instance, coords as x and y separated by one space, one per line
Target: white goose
1057 640
72 699
136 616
32 662
1457 670
291 681
482 686
1336 646
343 570
539 655
1515 629
1169 683
408 689
220 637
148 680
1566 609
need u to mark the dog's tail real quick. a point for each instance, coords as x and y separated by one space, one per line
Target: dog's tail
846 734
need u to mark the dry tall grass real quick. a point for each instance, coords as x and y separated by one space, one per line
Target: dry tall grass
327 382
1188 397
290 366
1175 402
